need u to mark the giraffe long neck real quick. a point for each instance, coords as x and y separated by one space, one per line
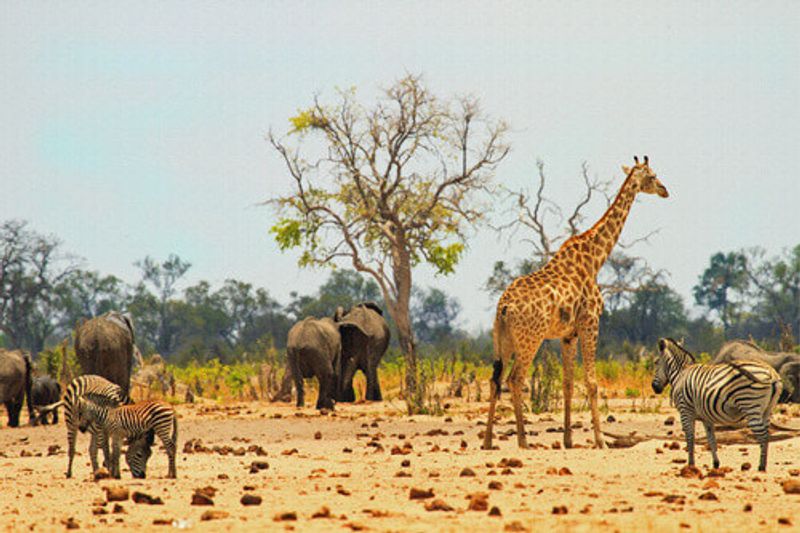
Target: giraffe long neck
604 234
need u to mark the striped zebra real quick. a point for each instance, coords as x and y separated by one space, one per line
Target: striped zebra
133 422
722 394
95 389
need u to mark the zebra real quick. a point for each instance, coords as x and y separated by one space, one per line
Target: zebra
91 388
133 422
727 393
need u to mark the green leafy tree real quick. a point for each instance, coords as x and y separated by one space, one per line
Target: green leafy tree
434 315
725 277
387 188
343 288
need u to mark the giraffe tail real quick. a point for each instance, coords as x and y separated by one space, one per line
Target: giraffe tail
500 341
496 373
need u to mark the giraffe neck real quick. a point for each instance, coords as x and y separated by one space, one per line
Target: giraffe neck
604 234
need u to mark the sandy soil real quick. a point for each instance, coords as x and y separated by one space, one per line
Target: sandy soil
362 462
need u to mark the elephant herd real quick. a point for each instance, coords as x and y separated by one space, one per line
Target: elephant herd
333 348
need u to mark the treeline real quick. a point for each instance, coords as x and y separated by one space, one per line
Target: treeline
44 292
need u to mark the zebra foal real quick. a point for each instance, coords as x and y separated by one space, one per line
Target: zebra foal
134 422
91 388
727 393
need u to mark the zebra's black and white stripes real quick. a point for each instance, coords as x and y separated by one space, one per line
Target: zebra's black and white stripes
133 422
728 393
95 389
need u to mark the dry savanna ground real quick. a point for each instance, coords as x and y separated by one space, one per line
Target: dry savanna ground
369 467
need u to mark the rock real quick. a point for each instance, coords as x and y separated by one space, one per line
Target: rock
341 490
709 496
101 473
285 516
71 523
467 472
719 472
99 511
53 450
208 491
670 421
162 521
495 485
478 502
141 497
510 463
560 509
257 466
748 507
420 494
674 445
791 486
118 509
318 435
691 471
746 466
564 471
610 419
198 498
223 476
116 494
516 525
323 512
784 521
711 484
250 499
674 498
495 511
214 514
406 463
437 505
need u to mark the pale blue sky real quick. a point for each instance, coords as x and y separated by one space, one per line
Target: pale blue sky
133 129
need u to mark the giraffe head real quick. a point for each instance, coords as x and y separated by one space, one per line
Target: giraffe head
644 179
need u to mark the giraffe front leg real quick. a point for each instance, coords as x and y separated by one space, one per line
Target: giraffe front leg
588 338
569 347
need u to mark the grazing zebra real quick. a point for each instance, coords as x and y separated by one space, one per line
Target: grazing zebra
95 389
727 393
133 422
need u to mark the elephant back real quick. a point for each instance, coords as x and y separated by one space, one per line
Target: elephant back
320 334
370 319
105 347
12 373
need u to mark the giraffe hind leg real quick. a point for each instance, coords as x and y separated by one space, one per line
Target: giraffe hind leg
494 395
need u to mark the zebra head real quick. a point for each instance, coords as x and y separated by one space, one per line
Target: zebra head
671 359
138 453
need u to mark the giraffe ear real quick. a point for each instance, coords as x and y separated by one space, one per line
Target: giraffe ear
626 170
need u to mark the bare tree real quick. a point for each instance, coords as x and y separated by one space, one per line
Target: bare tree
388 188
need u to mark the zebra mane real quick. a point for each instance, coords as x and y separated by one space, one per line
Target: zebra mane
673 343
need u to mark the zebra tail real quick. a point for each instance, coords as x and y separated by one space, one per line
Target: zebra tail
175 429
744 372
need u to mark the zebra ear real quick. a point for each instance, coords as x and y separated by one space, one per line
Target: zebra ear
662 345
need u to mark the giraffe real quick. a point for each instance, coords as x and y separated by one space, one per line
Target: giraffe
563 301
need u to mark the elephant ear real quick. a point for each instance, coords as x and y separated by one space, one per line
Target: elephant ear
338 314
350 326
129 322
373 306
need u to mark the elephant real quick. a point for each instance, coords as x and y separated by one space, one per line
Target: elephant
786 364
362 349
314 348
46 391
105 346
15 384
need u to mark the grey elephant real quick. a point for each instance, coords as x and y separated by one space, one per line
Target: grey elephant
15 384
44 392
314 349
362 349
786 364
105 347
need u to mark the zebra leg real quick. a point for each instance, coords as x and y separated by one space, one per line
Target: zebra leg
102 441
93 448
760 429
163 432
687 422
712 442
71 436
116 446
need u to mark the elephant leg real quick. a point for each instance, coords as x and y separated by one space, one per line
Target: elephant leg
373 385
298 384
347 394
14 408
326 382
55 416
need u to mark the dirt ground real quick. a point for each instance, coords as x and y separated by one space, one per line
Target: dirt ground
362 462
